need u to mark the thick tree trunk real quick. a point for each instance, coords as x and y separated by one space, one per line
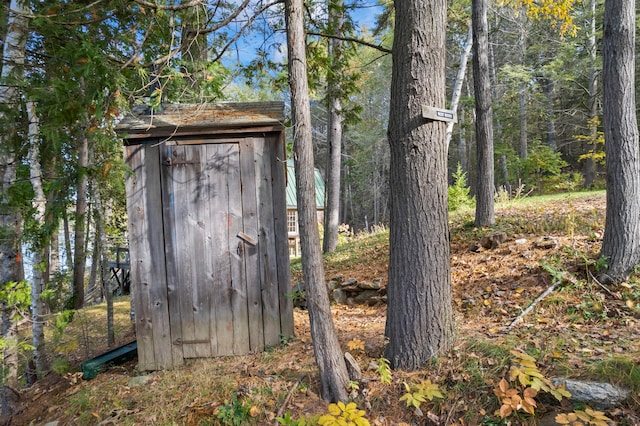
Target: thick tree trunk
485 215
621 241
419 314
333 370
38 248
334 134
457 86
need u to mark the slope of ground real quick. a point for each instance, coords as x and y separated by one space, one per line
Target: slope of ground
581 330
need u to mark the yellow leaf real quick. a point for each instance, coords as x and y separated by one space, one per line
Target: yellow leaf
487 302
355 344
334 409
96 415
254 411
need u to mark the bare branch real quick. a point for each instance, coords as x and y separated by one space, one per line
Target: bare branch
244 27
353 40
181 6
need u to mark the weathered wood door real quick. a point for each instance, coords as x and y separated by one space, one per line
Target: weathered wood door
211 231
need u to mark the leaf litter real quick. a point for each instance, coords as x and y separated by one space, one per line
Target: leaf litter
573 331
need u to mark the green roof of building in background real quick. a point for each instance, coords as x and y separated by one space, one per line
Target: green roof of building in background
291 187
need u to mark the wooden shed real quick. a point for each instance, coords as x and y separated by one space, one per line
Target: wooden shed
207 230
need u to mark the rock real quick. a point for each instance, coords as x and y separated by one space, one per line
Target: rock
353 368
365 295
368 286
600 396
299 295
53 423
373 366
138 381
350 282
339 296
521 241
494 240
378 282
474 246
332 285
546 243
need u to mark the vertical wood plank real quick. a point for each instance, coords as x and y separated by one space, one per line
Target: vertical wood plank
198 225
236 250
216 214
267 245
171 243
183 185
252 252
278 178
147 256
138 250
224 155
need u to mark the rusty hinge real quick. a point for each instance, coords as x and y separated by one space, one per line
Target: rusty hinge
169 162
179 341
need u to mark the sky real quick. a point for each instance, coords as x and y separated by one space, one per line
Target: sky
244 50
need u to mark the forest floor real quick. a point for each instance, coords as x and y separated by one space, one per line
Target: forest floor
580 330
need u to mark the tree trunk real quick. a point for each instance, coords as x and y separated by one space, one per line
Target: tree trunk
334 134
333 370
457 87
485 215
80 255
10 219
39 246
67 242
621 241
103 262
419 313
547 89
522 93
590 166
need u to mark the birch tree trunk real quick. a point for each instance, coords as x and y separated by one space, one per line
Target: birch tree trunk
457 87
10 219
485 215
38 247
333 370
621 240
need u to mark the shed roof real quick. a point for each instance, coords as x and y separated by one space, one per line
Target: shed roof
194 119
291 187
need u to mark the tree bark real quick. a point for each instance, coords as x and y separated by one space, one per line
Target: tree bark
485 215
80 254
334 135
419 322
10 218
333 370
590 166
103 262
39 245
621 241
457 86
